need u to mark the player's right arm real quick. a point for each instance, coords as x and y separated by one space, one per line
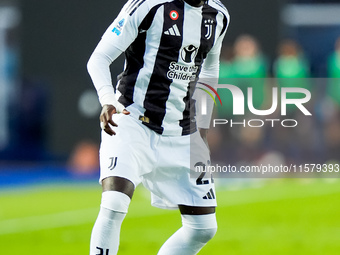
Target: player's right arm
117 38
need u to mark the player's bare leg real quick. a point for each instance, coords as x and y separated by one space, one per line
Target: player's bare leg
196 210
198 227
116 197
118 184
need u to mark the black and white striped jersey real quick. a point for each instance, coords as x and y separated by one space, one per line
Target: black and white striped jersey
167 45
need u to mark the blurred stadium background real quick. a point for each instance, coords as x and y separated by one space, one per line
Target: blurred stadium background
49 132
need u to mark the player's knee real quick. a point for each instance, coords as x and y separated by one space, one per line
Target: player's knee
203 227
204 235
115 201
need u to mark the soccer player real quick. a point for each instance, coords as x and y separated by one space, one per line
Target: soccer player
148 124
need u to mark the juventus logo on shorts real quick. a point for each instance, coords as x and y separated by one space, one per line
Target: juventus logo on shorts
113 163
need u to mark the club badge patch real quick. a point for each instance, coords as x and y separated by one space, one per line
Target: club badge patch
209 26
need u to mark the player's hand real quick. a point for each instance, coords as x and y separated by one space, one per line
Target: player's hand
106 118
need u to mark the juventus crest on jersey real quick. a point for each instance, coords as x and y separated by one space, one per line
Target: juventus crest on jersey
165 44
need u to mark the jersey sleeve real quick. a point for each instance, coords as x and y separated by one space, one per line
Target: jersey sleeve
209 75
125 28
116 39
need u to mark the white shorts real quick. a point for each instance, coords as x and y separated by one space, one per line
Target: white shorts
161 163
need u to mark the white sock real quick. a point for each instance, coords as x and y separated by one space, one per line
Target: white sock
106 232
196 231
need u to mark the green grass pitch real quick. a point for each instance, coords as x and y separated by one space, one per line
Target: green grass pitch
281 216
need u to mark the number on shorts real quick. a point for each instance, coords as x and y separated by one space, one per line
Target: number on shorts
199 180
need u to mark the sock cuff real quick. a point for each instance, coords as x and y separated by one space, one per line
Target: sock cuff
115 201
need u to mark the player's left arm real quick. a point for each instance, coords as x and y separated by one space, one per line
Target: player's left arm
209 75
